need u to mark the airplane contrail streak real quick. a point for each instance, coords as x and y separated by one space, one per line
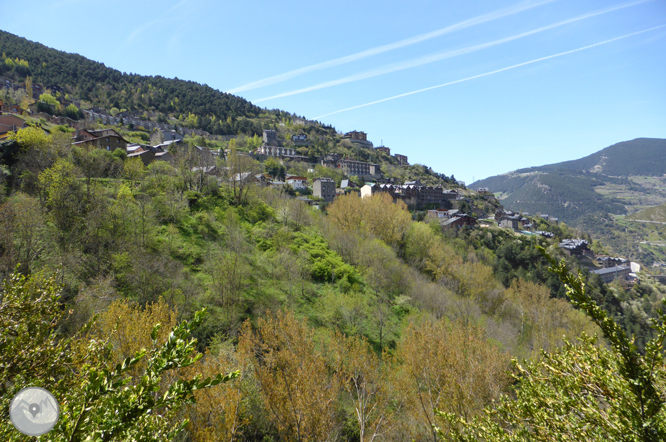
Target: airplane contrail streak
408 64
390 47
492 72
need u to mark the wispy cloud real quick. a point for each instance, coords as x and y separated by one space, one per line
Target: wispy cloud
391 46
492 72
164 17
408 64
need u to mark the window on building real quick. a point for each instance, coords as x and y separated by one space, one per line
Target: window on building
108 147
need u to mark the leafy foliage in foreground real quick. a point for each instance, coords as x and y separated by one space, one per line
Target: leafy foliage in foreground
98 400
580 392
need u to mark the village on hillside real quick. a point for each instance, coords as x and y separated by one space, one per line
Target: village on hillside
450 207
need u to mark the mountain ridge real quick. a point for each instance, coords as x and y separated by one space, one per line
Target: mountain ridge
610 156
600 182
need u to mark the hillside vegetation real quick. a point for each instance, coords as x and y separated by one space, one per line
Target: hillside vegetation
657 214
130 291
357 305
572 189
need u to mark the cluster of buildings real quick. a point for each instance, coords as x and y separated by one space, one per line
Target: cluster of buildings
350 167
452 218
520 221
612 268
361 138
511 220
413 193
272 147
7 108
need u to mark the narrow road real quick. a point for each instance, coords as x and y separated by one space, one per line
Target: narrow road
646 221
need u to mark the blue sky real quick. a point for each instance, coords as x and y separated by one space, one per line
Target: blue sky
537 87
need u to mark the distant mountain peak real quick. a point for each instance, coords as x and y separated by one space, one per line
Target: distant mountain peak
595 183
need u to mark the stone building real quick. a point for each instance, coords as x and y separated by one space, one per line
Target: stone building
574 247
272 146
276 151
107 139
612 273
324 188
402 159
353 167
270 138
354 135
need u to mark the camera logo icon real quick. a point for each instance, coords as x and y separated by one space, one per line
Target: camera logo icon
34 411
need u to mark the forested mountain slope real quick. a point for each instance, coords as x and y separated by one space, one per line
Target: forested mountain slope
107 87
614 180
641 156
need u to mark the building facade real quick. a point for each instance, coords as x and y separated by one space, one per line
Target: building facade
276 151
297 182
402 159
107 139
353 167
354 135
612 273
324 188
10 123
270 138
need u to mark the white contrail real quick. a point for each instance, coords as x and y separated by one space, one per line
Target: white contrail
139 29
492 72
440 56
390 47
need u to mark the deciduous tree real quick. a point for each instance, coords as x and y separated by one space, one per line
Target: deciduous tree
297 386
451 367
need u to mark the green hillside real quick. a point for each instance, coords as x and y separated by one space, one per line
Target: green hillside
657 214
564 194
359 282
